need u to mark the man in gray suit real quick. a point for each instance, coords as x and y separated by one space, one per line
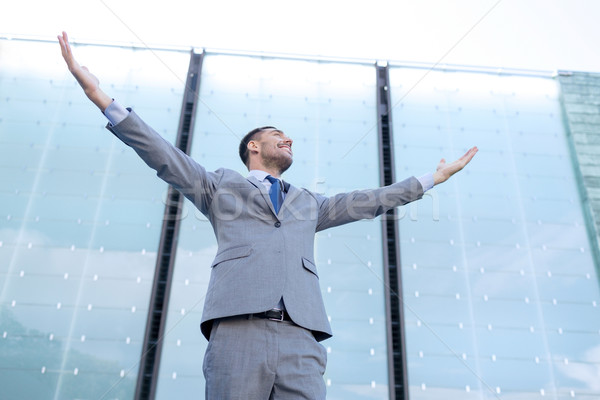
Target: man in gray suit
263 314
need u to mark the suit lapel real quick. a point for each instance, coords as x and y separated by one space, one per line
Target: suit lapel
290 192
263 191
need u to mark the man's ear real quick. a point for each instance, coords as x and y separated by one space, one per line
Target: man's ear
252 146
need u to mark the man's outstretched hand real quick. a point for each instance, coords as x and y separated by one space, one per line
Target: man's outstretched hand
446 170
88 82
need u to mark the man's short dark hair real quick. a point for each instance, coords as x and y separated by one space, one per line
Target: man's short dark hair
249 137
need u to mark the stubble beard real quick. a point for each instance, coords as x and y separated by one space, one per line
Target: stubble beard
278 162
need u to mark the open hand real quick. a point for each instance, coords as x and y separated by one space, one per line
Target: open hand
446 170
88 82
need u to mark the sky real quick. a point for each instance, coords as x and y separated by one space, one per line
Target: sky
540 35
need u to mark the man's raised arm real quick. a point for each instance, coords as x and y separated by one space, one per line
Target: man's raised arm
88 82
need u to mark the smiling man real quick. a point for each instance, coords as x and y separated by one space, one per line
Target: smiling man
274 147
263 314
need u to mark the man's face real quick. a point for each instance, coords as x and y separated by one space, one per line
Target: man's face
275 149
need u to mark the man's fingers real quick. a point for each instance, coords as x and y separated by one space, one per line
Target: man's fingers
466 158
67 54
65 46
65 38
62 44
471 153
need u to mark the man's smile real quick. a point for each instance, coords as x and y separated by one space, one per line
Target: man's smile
286 146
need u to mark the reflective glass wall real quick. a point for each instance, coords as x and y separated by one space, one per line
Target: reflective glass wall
500 287
80 219
328 109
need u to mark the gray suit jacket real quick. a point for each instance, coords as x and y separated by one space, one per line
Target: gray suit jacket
262 256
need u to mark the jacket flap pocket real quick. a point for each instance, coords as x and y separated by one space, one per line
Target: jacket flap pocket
231 254
309 265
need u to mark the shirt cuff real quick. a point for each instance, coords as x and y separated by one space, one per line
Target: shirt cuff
426 181
115 112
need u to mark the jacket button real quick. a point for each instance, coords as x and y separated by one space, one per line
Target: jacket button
277 224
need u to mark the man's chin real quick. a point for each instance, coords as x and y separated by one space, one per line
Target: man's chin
285 166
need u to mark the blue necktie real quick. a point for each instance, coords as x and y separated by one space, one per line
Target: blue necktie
275 193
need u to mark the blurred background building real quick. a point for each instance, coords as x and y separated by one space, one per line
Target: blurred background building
487 288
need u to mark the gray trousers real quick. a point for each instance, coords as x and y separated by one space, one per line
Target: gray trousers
259 359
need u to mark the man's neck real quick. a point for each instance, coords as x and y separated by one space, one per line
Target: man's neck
260 174
275 174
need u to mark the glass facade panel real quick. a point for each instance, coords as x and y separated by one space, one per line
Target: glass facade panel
327 108
500 287
80 220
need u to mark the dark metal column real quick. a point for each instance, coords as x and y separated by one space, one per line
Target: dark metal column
398 380
161 288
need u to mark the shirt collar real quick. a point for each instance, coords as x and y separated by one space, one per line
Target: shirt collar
258 174
261 176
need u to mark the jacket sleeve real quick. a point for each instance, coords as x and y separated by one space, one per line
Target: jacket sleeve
365 204
171 164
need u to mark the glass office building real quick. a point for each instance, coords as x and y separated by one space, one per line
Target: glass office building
498 267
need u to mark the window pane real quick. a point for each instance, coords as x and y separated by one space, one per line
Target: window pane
499 280
328 109
80 219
